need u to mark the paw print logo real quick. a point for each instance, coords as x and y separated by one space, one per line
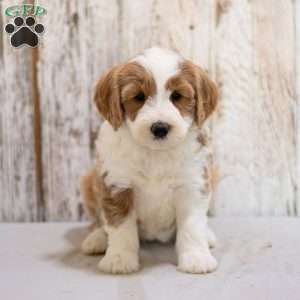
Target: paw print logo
24 32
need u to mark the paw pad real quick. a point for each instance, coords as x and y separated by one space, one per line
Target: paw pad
24 32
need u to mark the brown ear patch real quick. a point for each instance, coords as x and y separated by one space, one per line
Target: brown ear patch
116 91
186 102
137 85
206 92
107 97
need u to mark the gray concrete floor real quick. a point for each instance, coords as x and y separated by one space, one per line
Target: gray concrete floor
259 258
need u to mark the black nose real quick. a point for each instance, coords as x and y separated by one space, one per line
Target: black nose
160 129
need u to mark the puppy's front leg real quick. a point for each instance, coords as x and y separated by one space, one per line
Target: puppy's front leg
192 240
121 227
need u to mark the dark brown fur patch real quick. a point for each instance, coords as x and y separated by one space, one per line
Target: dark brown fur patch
117 206
91 188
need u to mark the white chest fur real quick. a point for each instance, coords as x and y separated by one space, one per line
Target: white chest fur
154 176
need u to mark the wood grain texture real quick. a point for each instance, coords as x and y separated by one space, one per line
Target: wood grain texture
18 184
76 48
99 44
297 67
184 26
250 47
255 132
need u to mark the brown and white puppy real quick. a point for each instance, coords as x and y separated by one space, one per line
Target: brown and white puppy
151 177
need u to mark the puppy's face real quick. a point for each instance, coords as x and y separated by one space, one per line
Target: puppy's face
158 95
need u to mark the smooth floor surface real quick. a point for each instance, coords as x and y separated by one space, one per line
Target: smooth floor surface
259 258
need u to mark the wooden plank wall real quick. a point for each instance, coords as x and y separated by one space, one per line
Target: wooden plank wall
255 133
19 199
48 123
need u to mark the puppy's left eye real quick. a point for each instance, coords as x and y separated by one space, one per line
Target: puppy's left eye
175 96
140 97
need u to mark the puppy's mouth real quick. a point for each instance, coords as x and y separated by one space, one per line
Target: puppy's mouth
163 144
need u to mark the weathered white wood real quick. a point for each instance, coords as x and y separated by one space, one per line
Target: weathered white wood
255 132
65 113
185 26
18 196
275 67
297 35
252 56
99 49
75 49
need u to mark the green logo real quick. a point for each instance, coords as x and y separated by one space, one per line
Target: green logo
25 10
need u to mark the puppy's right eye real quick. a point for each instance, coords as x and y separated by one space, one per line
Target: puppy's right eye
140 97
175 96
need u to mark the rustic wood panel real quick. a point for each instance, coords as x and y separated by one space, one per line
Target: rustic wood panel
18 186
250 47
297 67
185 26
255 131
76 48
99 49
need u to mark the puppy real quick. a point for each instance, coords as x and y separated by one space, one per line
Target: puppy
151 179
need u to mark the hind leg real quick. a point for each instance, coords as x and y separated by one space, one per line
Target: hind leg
95 242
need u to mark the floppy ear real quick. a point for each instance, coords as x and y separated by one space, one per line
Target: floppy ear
206 91
107 98
207 97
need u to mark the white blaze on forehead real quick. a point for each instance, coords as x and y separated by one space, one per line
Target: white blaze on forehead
162 63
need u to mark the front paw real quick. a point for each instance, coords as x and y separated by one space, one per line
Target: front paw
119 263
196 262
